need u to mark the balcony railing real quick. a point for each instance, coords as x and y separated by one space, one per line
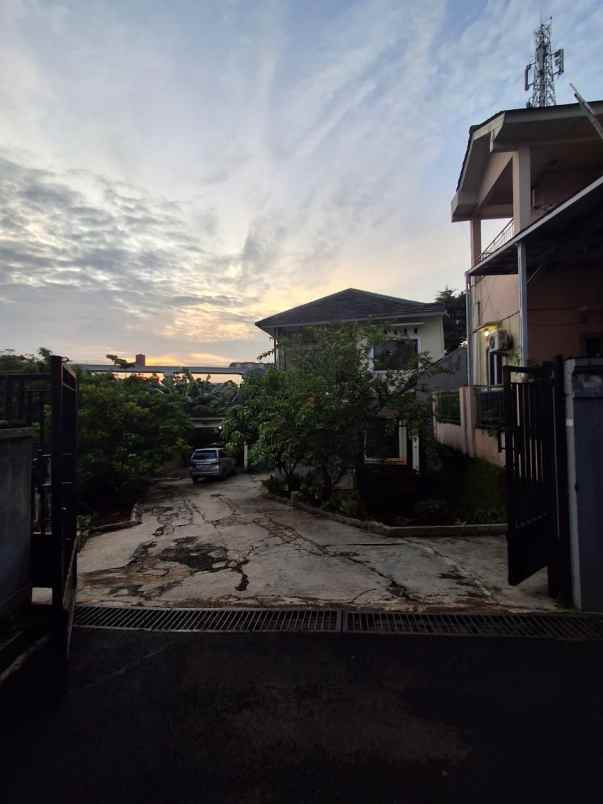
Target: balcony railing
505 234
489 407
448 407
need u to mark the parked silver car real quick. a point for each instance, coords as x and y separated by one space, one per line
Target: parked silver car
211 462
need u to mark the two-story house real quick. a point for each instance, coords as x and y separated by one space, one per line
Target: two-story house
524 306
536 291
412 327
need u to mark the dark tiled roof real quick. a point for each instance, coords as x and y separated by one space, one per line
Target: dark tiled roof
349 305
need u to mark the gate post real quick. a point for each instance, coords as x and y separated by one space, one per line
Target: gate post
584 423
563 557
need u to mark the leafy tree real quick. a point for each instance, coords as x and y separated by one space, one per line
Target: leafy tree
120 362
201 397
24 363
317 411
455 317
128 430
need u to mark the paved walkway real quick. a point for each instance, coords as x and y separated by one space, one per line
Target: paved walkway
226 544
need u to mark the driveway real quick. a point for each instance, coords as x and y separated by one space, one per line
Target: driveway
227 544
299 718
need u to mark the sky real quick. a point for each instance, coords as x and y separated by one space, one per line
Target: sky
171 172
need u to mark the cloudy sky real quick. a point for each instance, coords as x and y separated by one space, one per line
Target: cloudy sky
172 171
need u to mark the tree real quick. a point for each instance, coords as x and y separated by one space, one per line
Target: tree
455 317
128 430
120 362
25 363
317 411
201 397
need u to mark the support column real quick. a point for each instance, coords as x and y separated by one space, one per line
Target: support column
522 278
522 188
476 240
469 328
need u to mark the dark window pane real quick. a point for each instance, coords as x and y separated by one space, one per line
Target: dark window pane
382 439
594 346
394 355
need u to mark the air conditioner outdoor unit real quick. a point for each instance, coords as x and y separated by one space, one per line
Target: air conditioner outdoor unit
500 341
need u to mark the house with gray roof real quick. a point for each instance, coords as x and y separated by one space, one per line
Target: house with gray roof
412 327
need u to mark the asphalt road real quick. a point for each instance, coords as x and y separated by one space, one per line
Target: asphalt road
306 718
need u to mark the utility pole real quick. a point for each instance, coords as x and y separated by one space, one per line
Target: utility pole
540 74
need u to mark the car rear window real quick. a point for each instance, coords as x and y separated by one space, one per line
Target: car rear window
205 454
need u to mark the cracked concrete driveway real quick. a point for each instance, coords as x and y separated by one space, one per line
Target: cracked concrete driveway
226 544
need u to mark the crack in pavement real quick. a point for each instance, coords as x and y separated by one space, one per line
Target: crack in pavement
458 574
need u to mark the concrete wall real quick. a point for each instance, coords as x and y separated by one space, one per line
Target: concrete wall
431 337
452 435
564 306
15 517
495 305
466 437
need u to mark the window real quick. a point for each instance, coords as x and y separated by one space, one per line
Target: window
395 355
382 439
495 365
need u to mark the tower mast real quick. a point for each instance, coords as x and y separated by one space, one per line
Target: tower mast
540 74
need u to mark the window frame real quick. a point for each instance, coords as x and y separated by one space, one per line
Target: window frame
396 336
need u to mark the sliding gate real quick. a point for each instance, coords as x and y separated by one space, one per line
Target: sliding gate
47 403
536 474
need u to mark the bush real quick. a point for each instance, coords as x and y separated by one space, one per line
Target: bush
474 490
276 485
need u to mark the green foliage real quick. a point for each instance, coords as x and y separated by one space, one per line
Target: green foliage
315 412
201 397
120 362
473 489
128 430
274 485
24 363
455 318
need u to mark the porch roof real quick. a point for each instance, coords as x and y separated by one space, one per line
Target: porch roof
572 227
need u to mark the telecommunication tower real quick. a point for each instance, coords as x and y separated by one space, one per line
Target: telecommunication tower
540 74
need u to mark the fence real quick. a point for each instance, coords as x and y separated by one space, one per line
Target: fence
489 408
22 399
448 407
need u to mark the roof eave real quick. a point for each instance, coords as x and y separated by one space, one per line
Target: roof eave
404 318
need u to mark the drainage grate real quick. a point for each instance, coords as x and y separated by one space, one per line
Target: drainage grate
531 626
208 620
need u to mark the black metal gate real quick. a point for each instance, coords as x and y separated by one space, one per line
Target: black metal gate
48 403
536 472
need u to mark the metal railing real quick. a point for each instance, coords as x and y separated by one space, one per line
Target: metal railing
22 398
489 407
448 407
505 234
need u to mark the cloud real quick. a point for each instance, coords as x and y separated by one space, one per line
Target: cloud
170 175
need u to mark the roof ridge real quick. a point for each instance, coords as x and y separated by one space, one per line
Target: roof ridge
340 293
305 304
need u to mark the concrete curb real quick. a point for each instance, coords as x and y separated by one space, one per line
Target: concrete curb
497 529
135 519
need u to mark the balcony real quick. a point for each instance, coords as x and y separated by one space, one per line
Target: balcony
505 234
